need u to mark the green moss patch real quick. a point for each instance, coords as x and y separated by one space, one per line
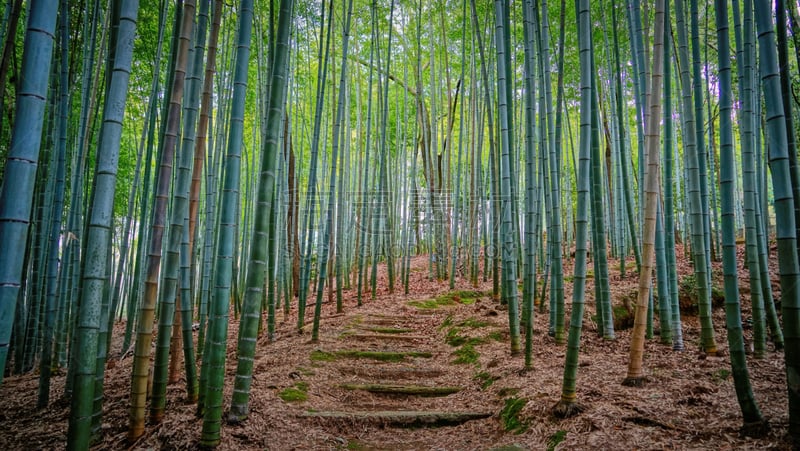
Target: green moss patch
355 445
623 318
485 379
689 294
446 323
507 391
322 356
473 323
448 299
296 393
555 439
466 354
720 375
454 338
510 416
496 336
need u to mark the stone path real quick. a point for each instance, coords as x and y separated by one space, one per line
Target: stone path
394 371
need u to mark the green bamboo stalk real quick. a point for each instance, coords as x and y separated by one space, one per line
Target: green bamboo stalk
45 365
781 183
555 230
311 195
266 184
216 345
178 209
96 268
19 175
754 423
508 249
697 228
567 405
529 271
602 290
669 207
745 54
325 252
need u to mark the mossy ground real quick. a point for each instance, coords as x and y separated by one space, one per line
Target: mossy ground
689 294
485 379
466 354
510 416
465 297
555 439
296 393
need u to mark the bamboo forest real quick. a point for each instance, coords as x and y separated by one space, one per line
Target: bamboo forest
399 224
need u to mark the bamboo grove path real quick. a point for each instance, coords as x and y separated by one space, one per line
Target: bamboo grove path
432 370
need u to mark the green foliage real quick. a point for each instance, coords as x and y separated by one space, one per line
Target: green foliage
689 294
453 335
296 393
485 378
451 298
720 375
510 418
496 336
473 323
507 391
466 354
555 439
322 356
355 445
446 323
453 338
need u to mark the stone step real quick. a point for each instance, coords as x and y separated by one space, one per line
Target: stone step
396 337
412 390
386 321
382 356
392 373
401 418
384 329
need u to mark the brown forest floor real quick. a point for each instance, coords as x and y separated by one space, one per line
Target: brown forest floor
688 401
